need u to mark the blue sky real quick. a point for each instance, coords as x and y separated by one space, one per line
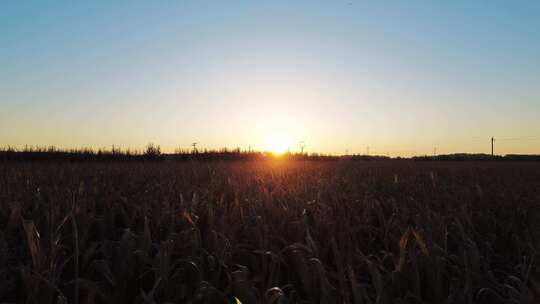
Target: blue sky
401 77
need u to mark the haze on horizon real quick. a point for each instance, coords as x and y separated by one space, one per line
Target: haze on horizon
401 77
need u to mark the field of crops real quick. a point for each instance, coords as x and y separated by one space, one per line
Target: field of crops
270 232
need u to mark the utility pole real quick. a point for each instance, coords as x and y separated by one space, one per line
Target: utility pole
435 151
492 140
302 145
367 151
194 145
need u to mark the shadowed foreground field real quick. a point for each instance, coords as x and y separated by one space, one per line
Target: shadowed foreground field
270 232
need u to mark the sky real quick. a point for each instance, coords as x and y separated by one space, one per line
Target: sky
392 77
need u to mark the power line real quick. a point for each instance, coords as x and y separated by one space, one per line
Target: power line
517 138
302 145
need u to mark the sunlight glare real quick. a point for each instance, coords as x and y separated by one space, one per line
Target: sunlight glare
278 143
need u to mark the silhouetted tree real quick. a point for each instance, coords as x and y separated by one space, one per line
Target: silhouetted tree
152 151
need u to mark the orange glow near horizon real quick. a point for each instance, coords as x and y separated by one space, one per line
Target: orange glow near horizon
278 143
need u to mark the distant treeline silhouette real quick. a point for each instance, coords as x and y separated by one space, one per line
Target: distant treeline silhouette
153 153
478 157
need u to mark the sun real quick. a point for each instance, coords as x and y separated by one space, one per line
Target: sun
278 143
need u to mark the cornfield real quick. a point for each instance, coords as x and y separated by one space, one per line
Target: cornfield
270 232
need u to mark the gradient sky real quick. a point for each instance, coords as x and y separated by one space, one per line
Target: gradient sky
401 77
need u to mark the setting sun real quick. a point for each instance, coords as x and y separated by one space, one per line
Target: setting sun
278 143
270 151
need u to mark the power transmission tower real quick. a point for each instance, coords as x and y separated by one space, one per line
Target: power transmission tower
302 145
435 151
194 145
